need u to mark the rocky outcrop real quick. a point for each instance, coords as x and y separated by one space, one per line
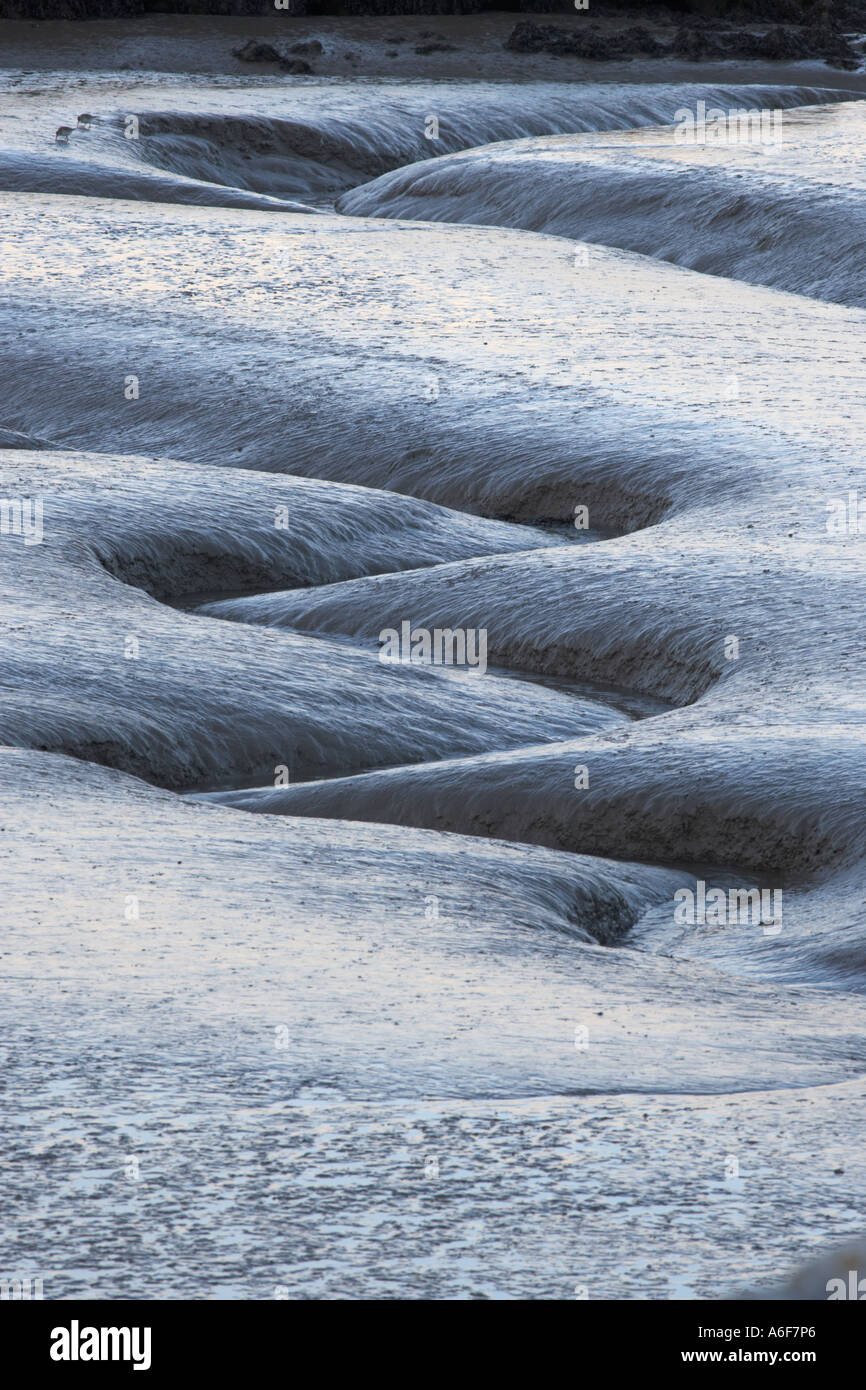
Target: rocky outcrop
254 52
694 42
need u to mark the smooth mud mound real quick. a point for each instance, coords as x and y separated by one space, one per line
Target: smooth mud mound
307 142
118 678
783 204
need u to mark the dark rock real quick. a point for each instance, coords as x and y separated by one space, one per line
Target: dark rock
775 45
780 45
311 47
254 52
590 44
527 37
425 48
295 65
833 47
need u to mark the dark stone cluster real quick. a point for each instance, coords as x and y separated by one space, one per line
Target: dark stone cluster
291 61
695 30
694 43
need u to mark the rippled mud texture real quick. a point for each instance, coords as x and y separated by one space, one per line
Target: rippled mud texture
789 212
310 1039
266 144
443 964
